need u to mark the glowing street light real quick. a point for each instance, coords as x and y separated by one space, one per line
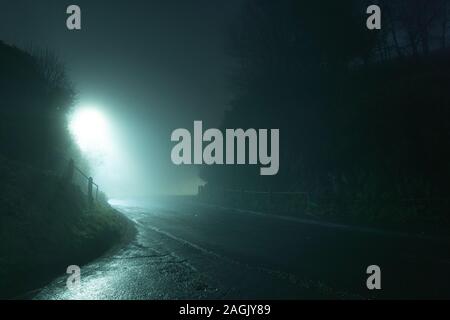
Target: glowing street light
90 130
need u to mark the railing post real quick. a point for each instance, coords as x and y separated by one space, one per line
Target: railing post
90 198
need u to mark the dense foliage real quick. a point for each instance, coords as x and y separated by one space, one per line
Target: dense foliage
35 98
363 115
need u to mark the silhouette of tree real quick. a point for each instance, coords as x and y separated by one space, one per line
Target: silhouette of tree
36 96
362 115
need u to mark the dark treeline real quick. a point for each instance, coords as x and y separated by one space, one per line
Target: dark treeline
363 115
36 96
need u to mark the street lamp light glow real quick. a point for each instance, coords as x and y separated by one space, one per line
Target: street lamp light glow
90 130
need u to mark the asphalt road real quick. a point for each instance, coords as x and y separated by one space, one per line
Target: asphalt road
195 251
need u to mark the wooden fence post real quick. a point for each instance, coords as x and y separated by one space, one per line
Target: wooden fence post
90 198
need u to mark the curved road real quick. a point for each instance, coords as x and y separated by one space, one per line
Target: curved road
185 250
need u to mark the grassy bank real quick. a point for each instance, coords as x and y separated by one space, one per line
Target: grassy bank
45 226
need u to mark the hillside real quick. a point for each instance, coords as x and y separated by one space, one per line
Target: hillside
46 226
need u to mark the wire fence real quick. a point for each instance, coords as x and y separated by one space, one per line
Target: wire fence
280 202
296 203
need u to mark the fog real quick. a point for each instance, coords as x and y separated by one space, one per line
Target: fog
148 67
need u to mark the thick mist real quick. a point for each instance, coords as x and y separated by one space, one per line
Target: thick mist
148 67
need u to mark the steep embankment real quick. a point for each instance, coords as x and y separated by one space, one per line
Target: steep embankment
45 226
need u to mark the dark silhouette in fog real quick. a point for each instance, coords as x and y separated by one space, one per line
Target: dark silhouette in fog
361 113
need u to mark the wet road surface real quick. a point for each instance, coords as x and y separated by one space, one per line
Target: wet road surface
186 250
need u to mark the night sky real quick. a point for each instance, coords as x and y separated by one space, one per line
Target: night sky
151 66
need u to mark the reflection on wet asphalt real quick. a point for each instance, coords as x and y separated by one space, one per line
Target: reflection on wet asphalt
156 265
191 251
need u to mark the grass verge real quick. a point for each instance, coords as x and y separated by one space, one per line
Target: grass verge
45 226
